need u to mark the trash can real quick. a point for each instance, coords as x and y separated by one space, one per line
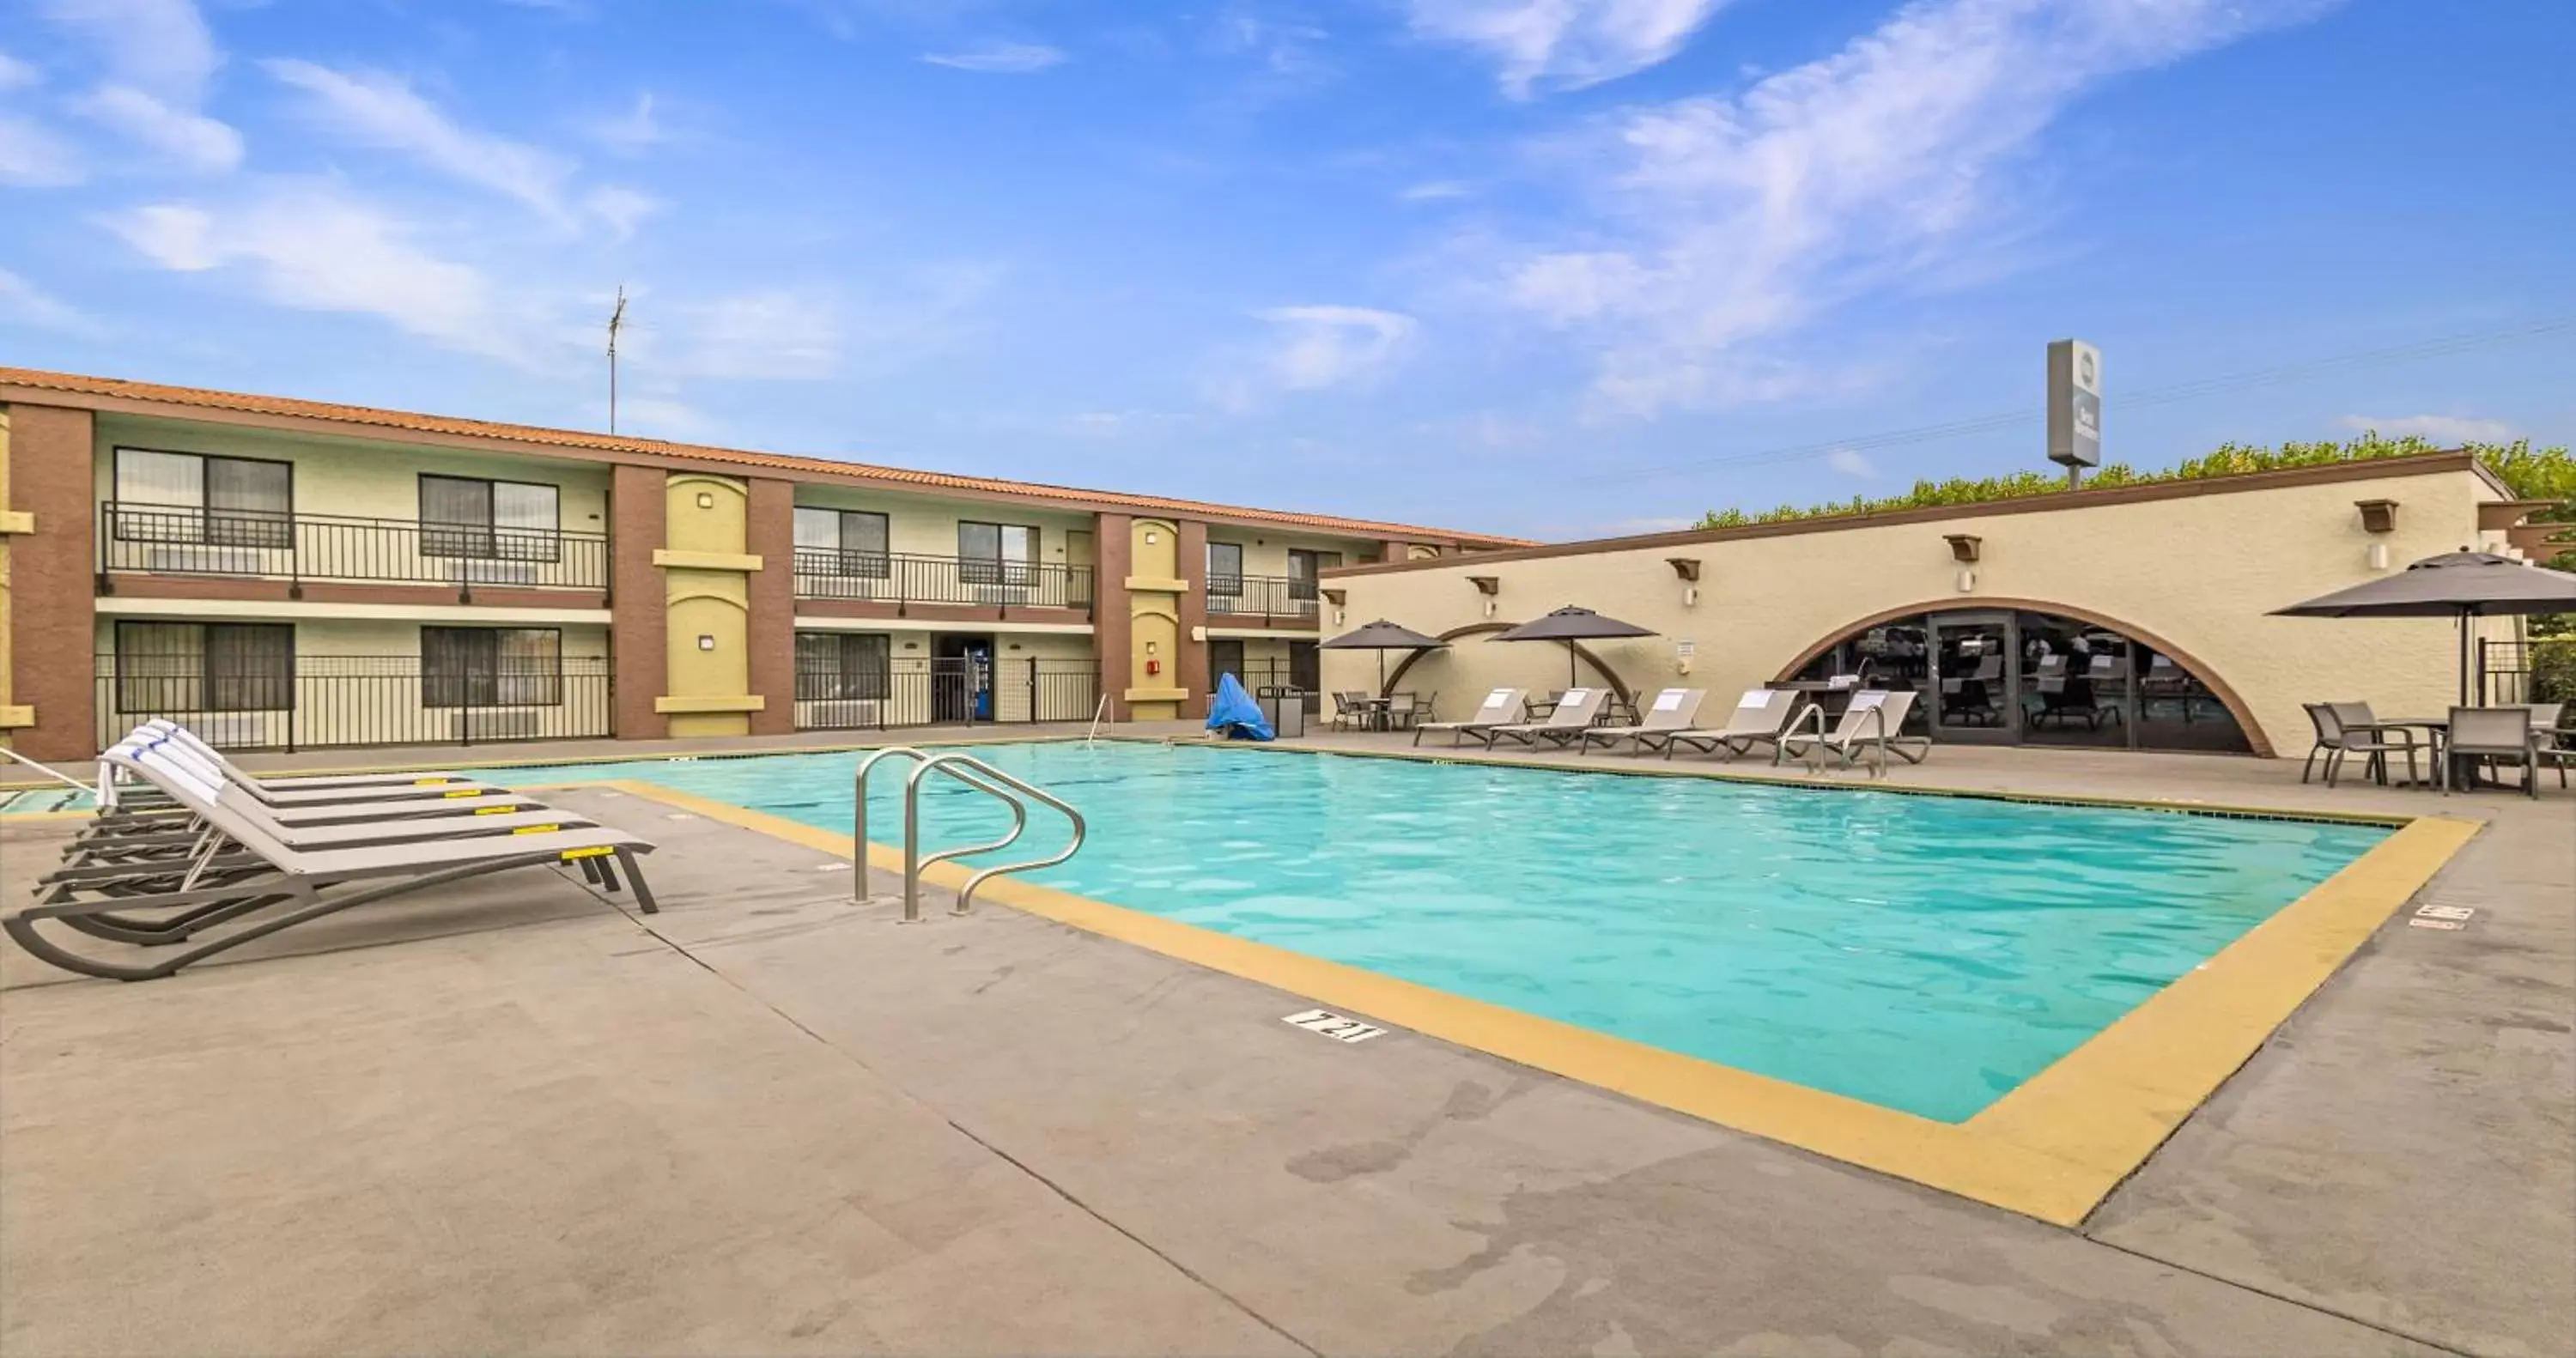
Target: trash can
1284 707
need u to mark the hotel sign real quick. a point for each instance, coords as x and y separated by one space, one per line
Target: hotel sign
2074 403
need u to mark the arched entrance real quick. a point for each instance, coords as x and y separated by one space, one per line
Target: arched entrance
2029 672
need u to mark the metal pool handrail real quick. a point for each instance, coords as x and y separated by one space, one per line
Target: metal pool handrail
1780 748
1011 790
859 893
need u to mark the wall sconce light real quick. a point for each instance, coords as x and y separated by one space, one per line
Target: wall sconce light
1149 648
706 500
1151 537
1686 567
1489 586
1965 547
1967 579
1336 598
705 642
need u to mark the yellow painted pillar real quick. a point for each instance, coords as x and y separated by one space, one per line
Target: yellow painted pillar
1154 592
706 577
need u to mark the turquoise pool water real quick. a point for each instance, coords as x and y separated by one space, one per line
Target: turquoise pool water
1922 953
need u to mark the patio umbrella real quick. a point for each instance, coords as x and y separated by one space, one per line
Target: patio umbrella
1382 636
1571 625
2458 585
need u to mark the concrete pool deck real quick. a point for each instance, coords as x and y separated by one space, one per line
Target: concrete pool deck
767 1121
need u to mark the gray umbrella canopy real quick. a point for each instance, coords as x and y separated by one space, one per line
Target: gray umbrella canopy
1571 625
2458 585
1382 636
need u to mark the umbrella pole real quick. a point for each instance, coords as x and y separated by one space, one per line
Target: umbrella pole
2464 660
1381 673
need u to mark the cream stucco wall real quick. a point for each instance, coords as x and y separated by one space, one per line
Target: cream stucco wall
353 478
1266 553
925 526
2197 573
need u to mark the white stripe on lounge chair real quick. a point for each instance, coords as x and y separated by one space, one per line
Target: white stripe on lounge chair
1576 709
1500 707
270 789
352 834
1759 716
1672 710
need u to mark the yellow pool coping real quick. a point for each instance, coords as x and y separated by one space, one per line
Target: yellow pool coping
2052 1149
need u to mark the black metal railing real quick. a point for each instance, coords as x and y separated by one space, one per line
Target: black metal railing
919 692
177 540
903 578
2538 671
1269 598
317 701
1257 675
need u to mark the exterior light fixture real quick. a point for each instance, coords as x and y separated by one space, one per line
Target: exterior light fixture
706 642
1687 568
1489 586
1335 597
706 500
2378 518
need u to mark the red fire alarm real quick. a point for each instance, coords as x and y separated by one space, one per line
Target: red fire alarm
1153 667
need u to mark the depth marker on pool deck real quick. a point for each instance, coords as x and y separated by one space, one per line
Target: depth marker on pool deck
1334 1026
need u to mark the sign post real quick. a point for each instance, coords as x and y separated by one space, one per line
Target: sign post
2074 407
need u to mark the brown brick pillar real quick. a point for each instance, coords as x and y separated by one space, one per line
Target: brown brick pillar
1113 551
638 601
1192 663
771 535
53 619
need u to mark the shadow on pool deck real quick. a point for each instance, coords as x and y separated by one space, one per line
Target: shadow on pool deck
771 1121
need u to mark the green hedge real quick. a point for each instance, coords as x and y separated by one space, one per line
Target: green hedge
2533 474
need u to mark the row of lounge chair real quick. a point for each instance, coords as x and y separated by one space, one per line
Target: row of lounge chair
188 847
1873 720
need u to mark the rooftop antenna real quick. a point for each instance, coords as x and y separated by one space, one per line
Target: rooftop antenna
616 322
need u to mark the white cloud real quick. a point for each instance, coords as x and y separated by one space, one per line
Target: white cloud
2438 428
1736 219
623 209
158 45
631 133
1434 190
1332 346
318 250
16 74
24 304
1000 58
372 108
1565 44
1849 462
33 157
190 139
776 334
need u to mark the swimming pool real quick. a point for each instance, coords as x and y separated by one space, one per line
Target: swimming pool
1926 954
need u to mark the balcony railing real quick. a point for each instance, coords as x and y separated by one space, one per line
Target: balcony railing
900 578
317 701
177 540
1265 599
911 691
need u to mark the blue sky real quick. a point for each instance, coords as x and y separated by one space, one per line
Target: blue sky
1537 266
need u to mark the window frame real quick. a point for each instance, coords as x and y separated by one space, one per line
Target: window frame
848 682
454 540
1225 584
1304 587
997 569
433 685
214 693
842 561
188 524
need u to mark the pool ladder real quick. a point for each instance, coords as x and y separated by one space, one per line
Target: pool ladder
975 773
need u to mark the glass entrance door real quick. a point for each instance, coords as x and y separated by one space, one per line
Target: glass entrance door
1975 674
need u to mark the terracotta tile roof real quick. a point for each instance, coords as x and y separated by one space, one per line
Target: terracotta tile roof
153 392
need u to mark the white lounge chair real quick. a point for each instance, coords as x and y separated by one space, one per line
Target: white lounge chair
1874 719
1760 716
243 870
1672 710
1576 709
1501 707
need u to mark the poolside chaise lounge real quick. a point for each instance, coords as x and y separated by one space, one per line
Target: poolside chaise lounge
1874 718
1576 710
1760 716
1674 709
247 871
127 808
308 791
1500 708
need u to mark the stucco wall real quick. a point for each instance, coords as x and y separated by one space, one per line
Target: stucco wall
360 480
2197 573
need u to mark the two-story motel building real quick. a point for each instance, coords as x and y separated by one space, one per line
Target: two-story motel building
292 574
